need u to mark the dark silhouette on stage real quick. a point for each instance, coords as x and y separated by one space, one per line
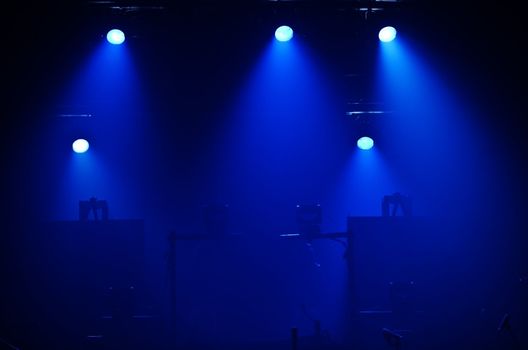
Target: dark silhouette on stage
98 208
396 203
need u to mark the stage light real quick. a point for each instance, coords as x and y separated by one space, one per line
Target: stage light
283 33
80 146
115 37
387 34
365 143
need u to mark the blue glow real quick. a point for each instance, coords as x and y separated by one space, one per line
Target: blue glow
80 146
284 33
106 84
387 34
369 176
365 143
115 37
279 130
438 168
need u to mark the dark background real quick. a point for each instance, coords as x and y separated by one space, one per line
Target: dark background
211 47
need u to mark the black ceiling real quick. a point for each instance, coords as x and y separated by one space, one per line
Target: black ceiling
482 41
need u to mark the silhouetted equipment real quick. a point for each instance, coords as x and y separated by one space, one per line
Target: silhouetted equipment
379 249
216 219
392 338
98 208
391 204
78 262
385 249
309 219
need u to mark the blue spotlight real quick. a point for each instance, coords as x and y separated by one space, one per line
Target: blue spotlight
365 143
283 33
387 34
80 146
115 36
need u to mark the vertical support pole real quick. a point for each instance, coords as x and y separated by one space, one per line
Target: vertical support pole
294 338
